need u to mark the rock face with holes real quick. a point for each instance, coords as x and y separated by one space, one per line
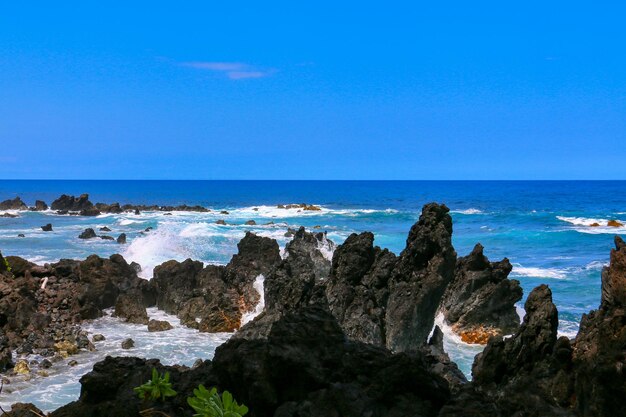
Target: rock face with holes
214 298
480 301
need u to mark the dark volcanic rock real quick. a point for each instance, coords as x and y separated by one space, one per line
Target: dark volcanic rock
71 203
600 346
87 234
107 391
15 204
424 269
307 367
131 308
159 326
216 295
121 239
358 290
105 229
297 281
529 371
480 301
47 228
128 343
40 206
24 410
6 356
375 296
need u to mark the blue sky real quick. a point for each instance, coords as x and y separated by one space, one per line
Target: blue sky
313 90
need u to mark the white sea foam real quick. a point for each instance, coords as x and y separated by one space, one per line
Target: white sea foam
585 225
326 248
126 222
460 352
582 221
264 211
535 272
258 286
468 211
180 345
158 246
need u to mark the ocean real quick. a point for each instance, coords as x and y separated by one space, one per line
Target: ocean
543 227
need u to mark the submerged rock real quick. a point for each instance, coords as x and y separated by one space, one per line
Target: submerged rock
128 343
87 234
98 338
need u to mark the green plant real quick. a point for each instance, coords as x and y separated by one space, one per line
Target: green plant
6 263
159 387
209 404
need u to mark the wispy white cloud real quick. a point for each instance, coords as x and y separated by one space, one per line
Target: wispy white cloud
232 70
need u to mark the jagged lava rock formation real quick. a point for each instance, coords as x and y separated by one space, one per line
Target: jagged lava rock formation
480 301
217 296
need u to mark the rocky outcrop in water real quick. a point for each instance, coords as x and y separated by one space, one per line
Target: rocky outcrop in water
40 206
14 204
214 298
480 301
87 234
82 205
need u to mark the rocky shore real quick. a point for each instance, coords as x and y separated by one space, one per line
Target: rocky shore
351 336
82 206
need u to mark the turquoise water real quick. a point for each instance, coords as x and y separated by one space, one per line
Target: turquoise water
542 227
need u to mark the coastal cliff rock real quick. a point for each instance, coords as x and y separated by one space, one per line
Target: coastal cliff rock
424 269
296 281
480 301
376 297
358 289
14 204
600 345
387 300
217 296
